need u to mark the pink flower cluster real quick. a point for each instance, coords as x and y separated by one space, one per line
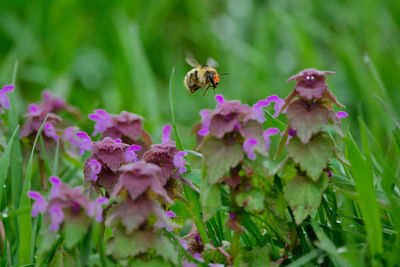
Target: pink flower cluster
65 203
231 117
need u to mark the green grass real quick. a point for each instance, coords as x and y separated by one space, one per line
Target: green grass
118 55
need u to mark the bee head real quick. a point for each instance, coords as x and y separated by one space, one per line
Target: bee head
213 79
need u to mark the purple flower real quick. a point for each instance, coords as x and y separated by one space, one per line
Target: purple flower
95 208
109 153
292 132
163 156
258 109
220 100
55 189
99 209
138 177
40 204
328 173
170 214
85 144
279 102
94 169
130 154
103 121
179 161
267 133
125 125
57 217
311 83
342 114
4 100
249 146
205 122
52 104
33 109
71 137
166 134
50 131
184 244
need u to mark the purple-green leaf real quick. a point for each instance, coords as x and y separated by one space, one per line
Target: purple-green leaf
307 120
312 157
219 157
304 196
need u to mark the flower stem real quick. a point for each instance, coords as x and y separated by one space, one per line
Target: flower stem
235 245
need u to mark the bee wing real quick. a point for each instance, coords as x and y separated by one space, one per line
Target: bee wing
212 63
191 60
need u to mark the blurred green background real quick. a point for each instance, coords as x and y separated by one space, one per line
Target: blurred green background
119 54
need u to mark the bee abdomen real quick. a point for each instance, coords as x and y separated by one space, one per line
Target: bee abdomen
191 81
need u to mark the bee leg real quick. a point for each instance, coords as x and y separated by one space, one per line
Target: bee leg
214 89
206 91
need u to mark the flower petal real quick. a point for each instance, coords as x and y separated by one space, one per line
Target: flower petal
249 146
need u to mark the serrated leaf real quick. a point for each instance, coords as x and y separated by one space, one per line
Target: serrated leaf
210 199
289 171
219 157
165 249
313 157
306 121
122 245
74 232
304 196
252 200
257 257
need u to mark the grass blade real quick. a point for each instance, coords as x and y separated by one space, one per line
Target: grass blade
179 144
306 258
4 164
25 249
16 174
363 177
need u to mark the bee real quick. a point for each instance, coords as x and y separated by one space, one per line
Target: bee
201 76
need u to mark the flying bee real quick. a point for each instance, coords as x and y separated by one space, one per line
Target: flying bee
202 76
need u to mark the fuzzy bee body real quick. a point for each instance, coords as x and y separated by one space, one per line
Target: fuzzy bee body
202 76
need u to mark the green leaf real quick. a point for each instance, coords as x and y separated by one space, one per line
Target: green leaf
195 210
257 257
210 199
165 249
313 157
25 250
252 200
304 196
74 232
396 134
122 245
179 143
306 121
364 178
219 157
4 164
193 176
48 241
289 171
325 244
